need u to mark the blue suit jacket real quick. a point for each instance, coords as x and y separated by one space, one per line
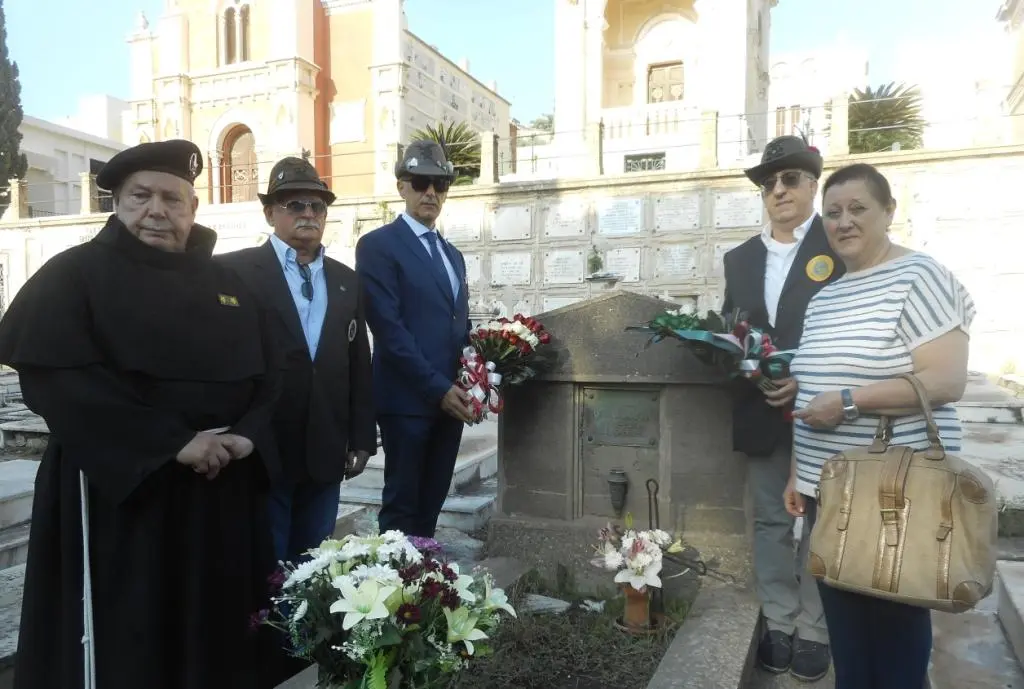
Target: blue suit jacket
418 330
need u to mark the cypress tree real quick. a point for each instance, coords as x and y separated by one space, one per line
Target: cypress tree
12 160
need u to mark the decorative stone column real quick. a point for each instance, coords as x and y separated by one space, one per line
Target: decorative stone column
214 177
708 159
839 133
17 197
488 158
88 200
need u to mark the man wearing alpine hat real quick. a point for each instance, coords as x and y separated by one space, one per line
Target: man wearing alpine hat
324 419
771 278
418 310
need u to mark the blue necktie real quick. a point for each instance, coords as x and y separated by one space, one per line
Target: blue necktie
435 258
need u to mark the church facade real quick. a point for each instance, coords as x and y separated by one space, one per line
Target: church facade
343 82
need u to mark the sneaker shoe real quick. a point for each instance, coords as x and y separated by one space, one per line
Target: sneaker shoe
810 660
775 652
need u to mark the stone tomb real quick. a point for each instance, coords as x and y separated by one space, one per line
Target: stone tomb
612 410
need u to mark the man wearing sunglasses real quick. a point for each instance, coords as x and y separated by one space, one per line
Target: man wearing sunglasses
771 278
418 309
324 420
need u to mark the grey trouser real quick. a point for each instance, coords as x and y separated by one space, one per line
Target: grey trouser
788 594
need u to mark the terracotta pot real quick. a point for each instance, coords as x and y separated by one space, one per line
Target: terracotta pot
638 608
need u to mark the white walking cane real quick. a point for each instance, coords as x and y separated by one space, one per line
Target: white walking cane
89 631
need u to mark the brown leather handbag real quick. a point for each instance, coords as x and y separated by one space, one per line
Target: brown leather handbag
913 526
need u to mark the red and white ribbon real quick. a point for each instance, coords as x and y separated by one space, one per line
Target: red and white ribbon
478 378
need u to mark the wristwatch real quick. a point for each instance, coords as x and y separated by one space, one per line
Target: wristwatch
850 411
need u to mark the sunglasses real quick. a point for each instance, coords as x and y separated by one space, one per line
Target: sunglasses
421 184
299 207
307 280
790 180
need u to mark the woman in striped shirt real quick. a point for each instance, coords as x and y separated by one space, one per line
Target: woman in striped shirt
895 311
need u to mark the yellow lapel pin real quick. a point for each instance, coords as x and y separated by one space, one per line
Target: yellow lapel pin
820 268
227 300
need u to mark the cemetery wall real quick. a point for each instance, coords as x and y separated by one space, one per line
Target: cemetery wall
528 244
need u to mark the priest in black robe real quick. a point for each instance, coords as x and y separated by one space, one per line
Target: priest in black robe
148 362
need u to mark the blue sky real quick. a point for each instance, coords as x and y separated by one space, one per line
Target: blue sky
64 52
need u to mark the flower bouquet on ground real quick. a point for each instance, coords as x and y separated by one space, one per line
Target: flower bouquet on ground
636 556
380 612
500 353
728 339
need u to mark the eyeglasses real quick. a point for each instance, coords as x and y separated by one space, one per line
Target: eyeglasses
421 184
307 280
299 207
790 180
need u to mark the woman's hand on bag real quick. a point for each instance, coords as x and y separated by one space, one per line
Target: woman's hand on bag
824 411
792 499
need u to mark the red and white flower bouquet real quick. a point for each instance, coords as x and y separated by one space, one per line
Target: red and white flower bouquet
500 353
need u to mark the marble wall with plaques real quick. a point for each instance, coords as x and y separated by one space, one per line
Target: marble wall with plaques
528 245
534 253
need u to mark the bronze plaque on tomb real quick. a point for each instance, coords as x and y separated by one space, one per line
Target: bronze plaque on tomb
621 417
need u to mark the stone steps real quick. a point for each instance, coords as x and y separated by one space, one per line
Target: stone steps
1010 604
465 512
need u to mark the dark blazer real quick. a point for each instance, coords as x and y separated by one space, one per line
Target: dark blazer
757 428
326 405
419 331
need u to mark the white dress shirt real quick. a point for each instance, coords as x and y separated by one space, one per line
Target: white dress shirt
421 231
778 264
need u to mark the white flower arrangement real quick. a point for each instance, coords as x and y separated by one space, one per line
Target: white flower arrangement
368 609
635 555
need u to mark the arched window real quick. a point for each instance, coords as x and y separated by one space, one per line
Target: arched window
236 34
240 172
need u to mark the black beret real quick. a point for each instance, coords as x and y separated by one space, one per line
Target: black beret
176 157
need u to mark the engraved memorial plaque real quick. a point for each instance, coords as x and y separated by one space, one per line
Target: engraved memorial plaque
620 216
552 303
675 261
564 267
511 223
512 268
624 262
473 268
566 219
621 418
676 213
738 209
462 226
721 249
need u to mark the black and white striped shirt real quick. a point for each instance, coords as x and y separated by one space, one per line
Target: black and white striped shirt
861 329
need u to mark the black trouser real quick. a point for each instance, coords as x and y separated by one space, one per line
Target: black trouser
876 644
419 460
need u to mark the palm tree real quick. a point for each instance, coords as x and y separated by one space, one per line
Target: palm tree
885 116
461 145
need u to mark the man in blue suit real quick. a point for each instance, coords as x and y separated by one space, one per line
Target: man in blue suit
418 310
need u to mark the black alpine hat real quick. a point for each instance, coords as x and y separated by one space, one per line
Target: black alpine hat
177 157
786 153
295 174
424 158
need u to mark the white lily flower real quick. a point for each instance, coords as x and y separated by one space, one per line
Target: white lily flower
462 583
462 627
496 599
640 578
365 602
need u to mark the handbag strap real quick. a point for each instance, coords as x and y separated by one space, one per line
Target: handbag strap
883 432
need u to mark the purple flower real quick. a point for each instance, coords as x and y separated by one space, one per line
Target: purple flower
425 545
276 579
257 618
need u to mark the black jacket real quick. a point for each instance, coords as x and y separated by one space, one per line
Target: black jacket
756 427
326 405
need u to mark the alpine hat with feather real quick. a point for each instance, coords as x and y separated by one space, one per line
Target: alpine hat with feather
786 153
